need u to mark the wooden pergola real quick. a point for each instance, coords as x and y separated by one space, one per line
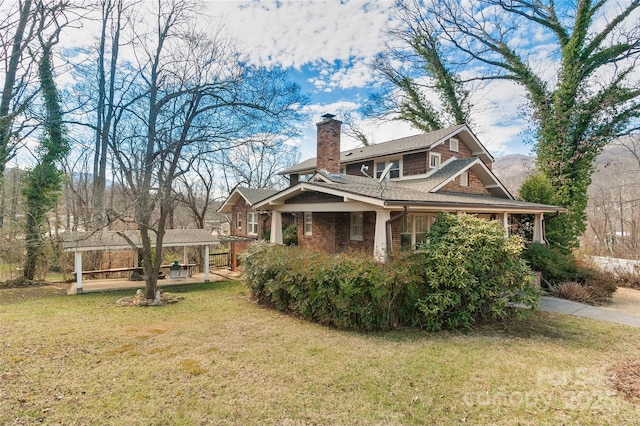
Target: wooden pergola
130 240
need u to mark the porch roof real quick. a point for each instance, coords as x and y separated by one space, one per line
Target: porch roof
395 194
127 240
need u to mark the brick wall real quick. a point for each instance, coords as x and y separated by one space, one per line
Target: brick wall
242 208
475 186
332 233
328 145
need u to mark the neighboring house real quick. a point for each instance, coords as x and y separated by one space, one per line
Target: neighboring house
244 220
384 197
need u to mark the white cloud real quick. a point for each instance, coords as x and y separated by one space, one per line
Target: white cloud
295 33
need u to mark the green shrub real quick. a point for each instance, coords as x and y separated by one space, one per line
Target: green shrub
347 291
556 267
467 271
471 271
290 235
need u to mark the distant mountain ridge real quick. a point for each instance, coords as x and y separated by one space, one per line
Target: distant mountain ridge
513 169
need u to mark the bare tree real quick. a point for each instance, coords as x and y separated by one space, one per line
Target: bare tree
194 98
256 163
196 190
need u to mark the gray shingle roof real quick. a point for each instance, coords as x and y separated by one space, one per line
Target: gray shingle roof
253 195
447 172
119 240
395 192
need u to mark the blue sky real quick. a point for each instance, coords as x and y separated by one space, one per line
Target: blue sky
327 47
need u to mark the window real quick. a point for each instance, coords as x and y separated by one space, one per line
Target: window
434 160
239 220
308 224
406 229
252 223
464 179
394 172
421 226
357 226
413 230
453 144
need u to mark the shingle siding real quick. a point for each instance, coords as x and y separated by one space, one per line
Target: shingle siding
414 164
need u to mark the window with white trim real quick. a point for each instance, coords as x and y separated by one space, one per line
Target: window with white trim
308 223
394 172
453 144
357 226
413 230
252 223
434 160
239 220
464 179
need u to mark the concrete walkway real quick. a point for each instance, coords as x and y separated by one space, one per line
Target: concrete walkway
562 306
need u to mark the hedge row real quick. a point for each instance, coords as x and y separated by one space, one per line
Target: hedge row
466 272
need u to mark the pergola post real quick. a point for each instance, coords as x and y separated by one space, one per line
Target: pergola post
78 267
206 264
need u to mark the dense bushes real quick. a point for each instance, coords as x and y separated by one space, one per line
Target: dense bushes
471 271
570 278
346 291
466 272
555 266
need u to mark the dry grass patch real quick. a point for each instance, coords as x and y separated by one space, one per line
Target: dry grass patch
216 358
625 378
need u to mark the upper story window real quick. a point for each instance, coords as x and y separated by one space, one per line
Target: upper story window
464 179
394 172
305 177
239 220
434 160
357 226
252 223
453 144
308 223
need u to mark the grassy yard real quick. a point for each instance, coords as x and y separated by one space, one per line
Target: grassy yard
216 358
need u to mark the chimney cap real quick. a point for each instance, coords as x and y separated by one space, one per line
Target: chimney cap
327 116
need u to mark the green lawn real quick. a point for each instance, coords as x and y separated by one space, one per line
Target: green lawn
216 358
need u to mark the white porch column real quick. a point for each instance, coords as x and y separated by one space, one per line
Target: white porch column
78 266
380 236
206 264
505 223
537 228
276 227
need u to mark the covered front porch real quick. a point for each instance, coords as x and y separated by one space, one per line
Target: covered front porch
385 231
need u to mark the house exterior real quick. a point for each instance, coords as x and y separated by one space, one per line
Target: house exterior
245 221
385 197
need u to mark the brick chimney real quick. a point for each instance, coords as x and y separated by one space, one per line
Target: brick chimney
328 155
